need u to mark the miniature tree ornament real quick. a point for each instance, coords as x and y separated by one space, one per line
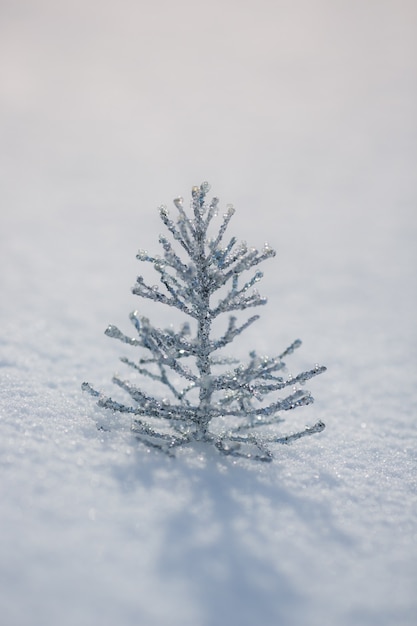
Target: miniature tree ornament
208 399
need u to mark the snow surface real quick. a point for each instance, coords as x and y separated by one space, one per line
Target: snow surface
301 114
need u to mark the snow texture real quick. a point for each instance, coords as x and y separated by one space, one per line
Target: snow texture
303 115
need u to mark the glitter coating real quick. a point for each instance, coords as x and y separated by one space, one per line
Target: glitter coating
206 399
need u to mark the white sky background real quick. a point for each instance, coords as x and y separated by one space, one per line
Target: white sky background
303 115
304 95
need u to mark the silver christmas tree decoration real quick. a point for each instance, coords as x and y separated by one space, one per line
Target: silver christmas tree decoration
207 398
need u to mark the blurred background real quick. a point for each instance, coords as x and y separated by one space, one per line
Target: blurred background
109 103
302 114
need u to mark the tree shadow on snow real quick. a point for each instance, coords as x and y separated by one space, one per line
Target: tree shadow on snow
233 538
